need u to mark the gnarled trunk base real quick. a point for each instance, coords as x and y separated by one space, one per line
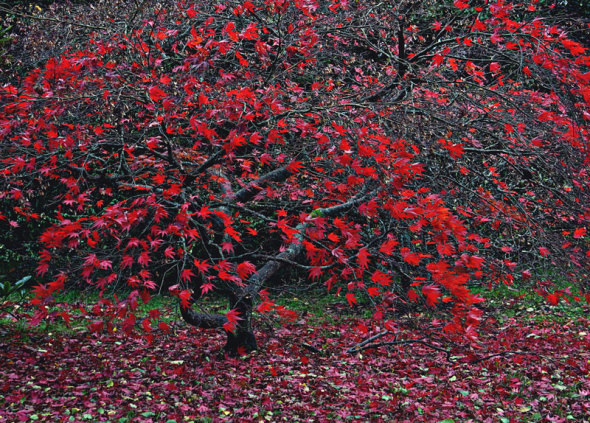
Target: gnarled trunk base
242 339
240 342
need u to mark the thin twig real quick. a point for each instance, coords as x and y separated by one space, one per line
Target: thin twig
501 354
40 18
358 347
365 345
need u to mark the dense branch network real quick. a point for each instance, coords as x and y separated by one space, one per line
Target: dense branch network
396 159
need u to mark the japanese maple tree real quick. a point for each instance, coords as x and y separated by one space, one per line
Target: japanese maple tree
392 152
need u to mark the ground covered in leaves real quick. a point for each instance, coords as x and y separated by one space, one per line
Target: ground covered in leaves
535 369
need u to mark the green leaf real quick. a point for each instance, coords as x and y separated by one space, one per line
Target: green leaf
316 213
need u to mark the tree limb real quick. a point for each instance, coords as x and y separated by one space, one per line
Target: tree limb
202 320
257 280
251 189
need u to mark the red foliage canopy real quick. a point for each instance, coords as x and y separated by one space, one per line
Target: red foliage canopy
384 152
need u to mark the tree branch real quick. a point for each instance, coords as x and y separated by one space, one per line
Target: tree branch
257 280
202 320
251 189
358 346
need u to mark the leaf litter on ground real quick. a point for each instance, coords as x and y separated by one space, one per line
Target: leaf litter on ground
520 371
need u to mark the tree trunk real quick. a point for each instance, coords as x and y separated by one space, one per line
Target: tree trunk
242 339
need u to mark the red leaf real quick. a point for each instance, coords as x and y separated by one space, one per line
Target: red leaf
233 315
227 247
552 299
233 233
363 258
445 249
478 25
374 291
340 129
315 272
147 325
204 213
472 262
455 150
230 29
245 269
412 258
381 278
295 167
156 93
388 246
494 67
232 320
437 60
185 297
413 295
496 38
251 32
97 326
164 327
144 259
206 287
460 4
202 266
265 306
169 252
186 275
431 292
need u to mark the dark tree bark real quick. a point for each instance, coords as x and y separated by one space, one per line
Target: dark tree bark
243 339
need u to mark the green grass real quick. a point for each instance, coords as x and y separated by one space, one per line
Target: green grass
522 301
315 306
16 313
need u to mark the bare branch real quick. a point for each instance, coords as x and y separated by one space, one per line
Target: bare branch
40 18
